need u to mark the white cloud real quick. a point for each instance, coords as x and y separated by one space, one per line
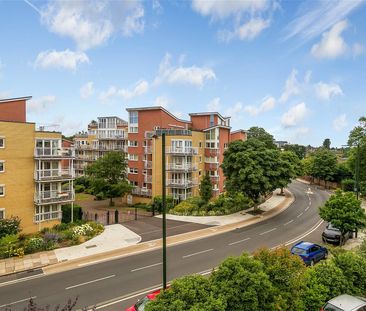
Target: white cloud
295 115
292 87
340 122
91 23
358 49
235 112
214 105
327 91
267 104
4 94
316 17
41 104
87 90
67 127
245 16
60 59
185 75
161 101
332 45
140 88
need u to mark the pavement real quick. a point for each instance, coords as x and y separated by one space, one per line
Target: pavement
118 240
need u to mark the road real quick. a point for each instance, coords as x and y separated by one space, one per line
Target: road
116 284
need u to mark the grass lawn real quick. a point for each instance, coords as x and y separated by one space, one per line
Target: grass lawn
83 197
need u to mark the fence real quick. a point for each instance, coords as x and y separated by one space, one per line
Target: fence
322 183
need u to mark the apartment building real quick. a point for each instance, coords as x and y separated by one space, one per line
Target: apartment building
106 134
193 148
36 171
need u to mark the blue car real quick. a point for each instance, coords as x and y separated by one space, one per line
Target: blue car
310 253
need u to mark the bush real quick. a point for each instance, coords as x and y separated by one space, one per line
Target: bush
8 245
82 181
79 188
100 196
157 203
66 213
186 207
363 188
85 229
9 226
348 185
34 245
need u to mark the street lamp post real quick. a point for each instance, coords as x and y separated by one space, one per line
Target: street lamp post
164 209
358 170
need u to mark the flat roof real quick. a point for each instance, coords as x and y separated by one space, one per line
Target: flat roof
6 100
157 108
237 131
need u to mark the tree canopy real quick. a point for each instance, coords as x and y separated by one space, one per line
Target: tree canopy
326 143
299 150
260 134
324 164
344 211
108 175
206 188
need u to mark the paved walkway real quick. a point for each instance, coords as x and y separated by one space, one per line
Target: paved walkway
117 240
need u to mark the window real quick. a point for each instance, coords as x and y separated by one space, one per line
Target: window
225 145
133 170
2 213
210 145
2 166
2 190
133 143
199 173
47 212
134 183
200 159
2 142
211 120
200 144
133 157
133 129
134 117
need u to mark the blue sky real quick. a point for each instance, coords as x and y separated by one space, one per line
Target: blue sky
295 68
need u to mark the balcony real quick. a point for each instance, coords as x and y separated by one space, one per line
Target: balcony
145 192
47 153
147 164
54 174
212 166
112 148
50 197
168 132
148 179
112 137
181 183
86 158
47 216
189 151
181 167
213 152
215 177
148 149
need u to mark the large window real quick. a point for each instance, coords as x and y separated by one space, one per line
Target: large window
2 142
2 166
2 213
133 157
133 129
47 212
2 190
133 143
134 117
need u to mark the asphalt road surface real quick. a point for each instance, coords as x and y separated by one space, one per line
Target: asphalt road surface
118 283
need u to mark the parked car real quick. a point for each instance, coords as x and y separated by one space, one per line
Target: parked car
345 303
310 253
140 305
332 234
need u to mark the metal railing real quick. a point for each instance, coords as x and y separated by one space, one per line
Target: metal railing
148 179
47 197
168 132
141 191
54 174
181 150
213 151
181 183
181 167
47 216
147 164
215 177
148 149
51 152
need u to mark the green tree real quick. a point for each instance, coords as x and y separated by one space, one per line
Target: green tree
109 175
344 211
299 150
324 165
326 143
289 167
260 134
307 165
206 188
358 134
251 168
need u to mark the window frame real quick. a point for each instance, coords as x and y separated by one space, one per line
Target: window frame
3 170
3 186
2 211
3 139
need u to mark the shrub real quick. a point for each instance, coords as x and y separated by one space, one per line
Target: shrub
51 237
185 208
157 203
33 245
79 188
66 213
85 229
348 185
8 245
363 188
9 226
100 196
82 181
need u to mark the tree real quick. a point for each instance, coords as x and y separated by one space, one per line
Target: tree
206 188
109 175
358 134
324 165
289 167
251 168
260 134
299 150
326 143
344 211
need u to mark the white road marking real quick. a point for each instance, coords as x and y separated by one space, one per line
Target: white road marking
22 300
22 279
93 281
307 208
265 232
146 267
287 223
300 215
317 225
239 241
205 251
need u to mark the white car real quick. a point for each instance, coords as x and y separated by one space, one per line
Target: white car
345 303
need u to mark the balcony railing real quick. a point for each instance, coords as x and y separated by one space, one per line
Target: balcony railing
147 164
181 183
49 197
54 153
215 177
141 191
54 174
182 150
168 132
112 137
148 179
213 151
212 166
47 216
86 158
181 167
148 149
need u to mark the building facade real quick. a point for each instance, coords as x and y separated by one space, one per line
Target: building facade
193 148
106 134
36 171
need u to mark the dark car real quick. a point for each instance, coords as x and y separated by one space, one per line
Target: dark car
310 253
332 234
